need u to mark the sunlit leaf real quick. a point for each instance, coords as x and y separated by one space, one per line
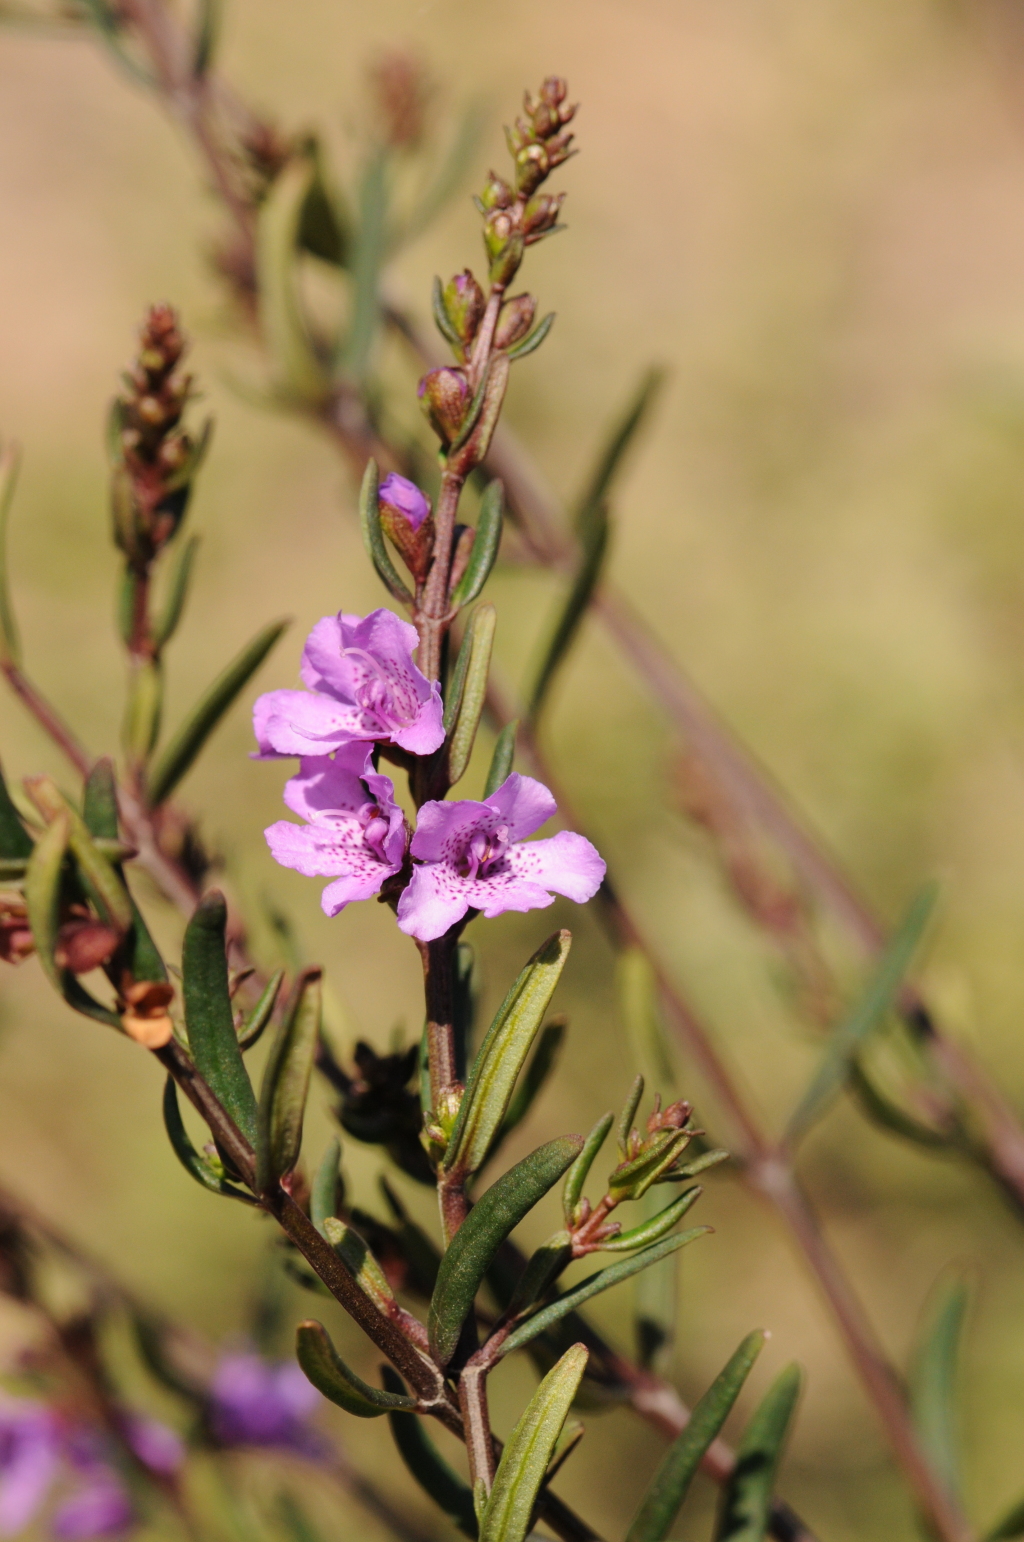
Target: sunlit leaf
330 1375
524 1461
747 1500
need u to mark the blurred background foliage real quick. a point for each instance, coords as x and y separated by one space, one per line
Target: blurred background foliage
813 216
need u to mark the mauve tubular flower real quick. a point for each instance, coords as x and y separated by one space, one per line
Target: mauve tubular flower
362 685
354 830
472 855
29 1457
256 1403
401 494
102 1507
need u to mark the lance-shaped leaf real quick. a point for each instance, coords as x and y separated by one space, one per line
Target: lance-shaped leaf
299 371
373 535
580 1169
177 756
253 1026
747 1500
933 1377
524 1461
477 645
671 1483
325 224
330 1375
632 1179
446 181
369 247
323 1196
891 1116
621 436
208 1174
208 1014
143 710
594 1284
286 1081
360 1263
503 1055
533 340
502 758
492 1218
100 813
628 1114
876 1001
426 1464
593 537
207 32
166 623
15 841
10 643
485 546
457 682
534 1078
42 891
653 1230
104 885
541 1272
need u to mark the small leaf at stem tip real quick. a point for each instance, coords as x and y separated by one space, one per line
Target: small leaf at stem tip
427 1465
485 546
631 1180
580 1169
747 1500
501 760
671 1483
10 643
524 1461
533 341
496 1214
480 640
593 550
933 1377
628 1114
331 1376
373 535
176 758
253 1026
197 1167
653 1230
503 1054
299 372
879 997
15 841
323 1198
178 582
594 1284
208 1013
286 1082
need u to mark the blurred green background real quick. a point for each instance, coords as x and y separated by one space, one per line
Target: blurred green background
813 214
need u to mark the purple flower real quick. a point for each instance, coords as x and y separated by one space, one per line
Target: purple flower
158 1447
354 831
29 1457
362 685
472 855
256 1403
400 494
102 1507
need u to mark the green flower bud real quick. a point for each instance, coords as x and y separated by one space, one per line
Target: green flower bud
445 397
514 320
464 304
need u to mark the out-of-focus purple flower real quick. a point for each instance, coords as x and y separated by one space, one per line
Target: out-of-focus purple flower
161 1450
30 1444
257 1403
472 855
362 685
102 1507
405 498
354 830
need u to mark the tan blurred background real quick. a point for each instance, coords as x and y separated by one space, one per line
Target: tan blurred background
813 214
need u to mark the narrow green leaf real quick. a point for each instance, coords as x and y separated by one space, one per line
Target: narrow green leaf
15 841
632 1179
205 1173
503 1055
452 169
42 891
485 546
1011 1525
457 682
889 1115
654 1229
325 224
525 1459
176 757
99 802
208 1014
593 549
594 1284
580 1169
496 1214
638 1001
671 1483
480 640
330 1375
441 320
323 1199
10 643
143 710
933 1376
299 370
207 33
368 252
427 1465
533 1079
615 446
747 1500
166 623
286 1082
541 1272
876 1001
262 1012
628 1114
360 1262
533 341
373 535
501 760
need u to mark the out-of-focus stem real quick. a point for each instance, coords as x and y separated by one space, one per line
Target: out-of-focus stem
47 716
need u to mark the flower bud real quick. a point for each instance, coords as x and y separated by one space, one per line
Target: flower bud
532 166
84 944
497 194
514 320
464 304
540 216
406 520
553 91
445 397
16 940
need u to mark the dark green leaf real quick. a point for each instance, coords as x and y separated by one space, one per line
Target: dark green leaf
542 1063
285 1085
503 1055
541 1272
501 760
457 681
15 841
594 1284
207 32
10 644
654 1229
890 1116
632 1179
166 623
485 546
176 757
876 1001
933 1375
209 1174
580 1169
441 320
618 442
427 1465
373 535
536 337
262 1012
209 1017
747 1501
324 224
479 640
360 1263
531 1445
99 803
670 1485
492 1218
331 1376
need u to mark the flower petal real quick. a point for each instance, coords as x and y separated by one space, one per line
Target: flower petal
434 900
324 786
566 862
308 723
442 829
426 733
523 803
